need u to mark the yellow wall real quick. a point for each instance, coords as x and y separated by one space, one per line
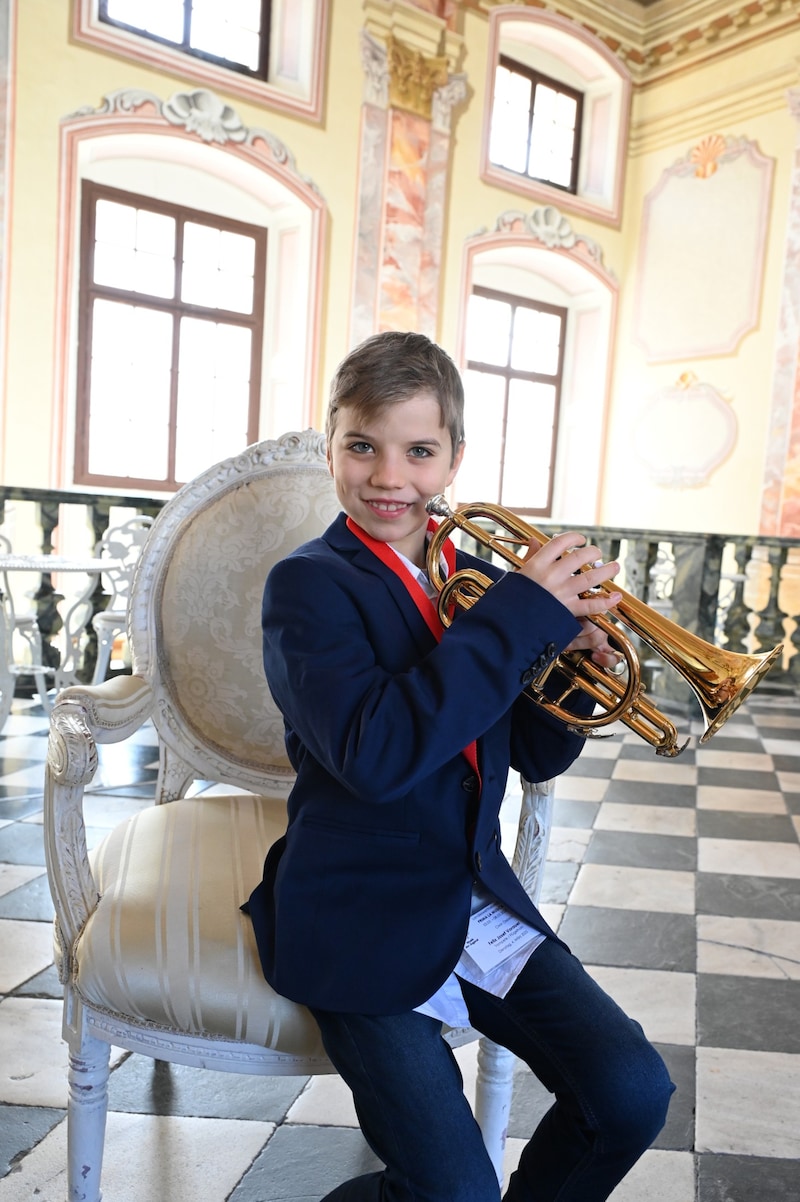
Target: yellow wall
742 95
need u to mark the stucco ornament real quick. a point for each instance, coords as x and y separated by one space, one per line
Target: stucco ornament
548 225
201 112
684 432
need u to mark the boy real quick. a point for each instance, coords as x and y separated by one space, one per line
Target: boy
402 737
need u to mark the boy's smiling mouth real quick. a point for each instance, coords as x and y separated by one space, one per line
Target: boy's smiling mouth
388 506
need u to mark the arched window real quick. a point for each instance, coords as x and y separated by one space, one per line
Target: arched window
206 251
538 317
557 110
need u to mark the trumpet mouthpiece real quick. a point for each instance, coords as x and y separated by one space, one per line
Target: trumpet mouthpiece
438 506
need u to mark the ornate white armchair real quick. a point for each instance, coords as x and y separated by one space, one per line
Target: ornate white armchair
153 951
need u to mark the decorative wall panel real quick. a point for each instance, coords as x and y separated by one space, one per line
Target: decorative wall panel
702 248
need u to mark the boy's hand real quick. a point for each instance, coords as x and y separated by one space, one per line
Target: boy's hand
594 641
556 566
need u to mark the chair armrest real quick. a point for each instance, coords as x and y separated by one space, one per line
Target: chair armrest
82 717
533 834
114 709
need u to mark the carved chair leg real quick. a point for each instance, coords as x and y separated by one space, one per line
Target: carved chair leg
493 1098
86 1119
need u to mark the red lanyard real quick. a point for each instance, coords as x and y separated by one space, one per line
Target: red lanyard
388 556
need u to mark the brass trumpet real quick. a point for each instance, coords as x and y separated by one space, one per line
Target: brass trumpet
719 679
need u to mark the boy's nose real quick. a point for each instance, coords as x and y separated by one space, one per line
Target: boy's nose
386 472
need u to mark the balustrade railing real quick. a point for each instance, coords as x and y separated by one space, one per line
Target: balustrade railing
39 521
741 592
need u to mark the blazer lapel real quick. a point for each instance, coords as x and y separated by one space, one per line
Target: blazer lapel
346 544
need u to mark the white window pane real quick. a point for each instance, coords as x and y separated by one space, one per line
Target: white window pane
552 136
217 268
508 139
478 477
488 330
115 223
529 438
129 391
566 111
155 233
134 249
213 394
229 31
237 252
164 18
115 266
537 337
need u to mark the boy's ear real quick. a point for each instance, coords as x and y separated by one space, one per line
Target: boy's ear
328 456
459 455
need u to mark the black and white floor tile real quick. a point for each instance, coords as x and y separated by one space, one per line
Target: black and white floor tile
676 882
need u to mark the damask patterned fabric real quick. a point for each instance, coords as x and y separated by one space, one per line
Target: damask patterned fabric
167 943
210 610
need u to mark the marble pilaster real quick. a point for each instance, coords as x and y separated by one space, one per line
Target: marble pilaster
780 506
409 95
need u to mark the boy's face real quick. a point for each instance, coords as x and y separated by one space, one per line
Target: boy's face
385 467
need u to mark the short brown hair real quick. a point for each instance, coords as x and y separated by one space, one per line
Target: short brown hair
393 366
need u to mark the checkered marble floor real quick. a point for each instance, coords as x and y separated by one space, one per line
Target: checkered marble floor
676 882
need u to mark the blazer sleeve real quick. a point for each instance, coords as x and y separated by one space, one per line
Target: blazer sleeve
381 731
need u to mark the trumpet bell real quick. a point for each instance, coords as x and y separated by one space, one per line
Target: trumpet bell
734 678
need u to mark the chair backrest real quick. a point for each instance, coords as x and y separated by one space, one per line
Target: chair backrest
195 610
123 544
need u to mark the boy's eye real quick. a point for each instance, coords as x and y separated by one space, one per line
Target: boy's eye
419 452
361 448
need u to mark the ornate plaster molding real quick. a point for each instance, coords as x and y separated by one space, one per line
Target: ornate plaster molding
445 99
546 224
375 62
202 114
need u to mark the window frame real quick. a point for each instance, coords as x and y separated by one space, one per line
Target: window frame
184 46
572 56
91 192
299 95
535 78
509 373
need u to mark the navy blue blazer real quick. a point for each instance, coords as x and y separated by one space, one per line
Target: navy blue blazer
365 901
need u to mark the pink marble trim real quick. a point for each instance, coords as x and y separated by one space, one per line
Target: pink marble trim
369 221
780 502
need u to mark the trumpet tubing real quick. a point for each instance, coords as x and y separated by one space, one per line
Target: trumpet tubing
719 679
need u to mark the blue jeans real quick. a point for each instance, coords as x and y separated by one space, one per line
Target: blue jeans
611 1092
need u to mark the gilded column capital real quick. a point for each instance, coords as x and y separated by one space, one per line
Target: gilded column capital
413 78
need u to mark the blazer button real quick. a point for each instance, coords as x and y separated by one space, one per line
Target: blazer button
527 676
470 783
478 861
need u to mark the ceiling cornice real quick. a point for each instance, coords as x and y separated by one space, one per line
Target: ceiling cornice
656 40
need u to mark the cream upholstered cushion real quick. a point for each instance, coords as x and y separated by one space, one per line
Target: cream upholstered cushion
167 943
209 614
